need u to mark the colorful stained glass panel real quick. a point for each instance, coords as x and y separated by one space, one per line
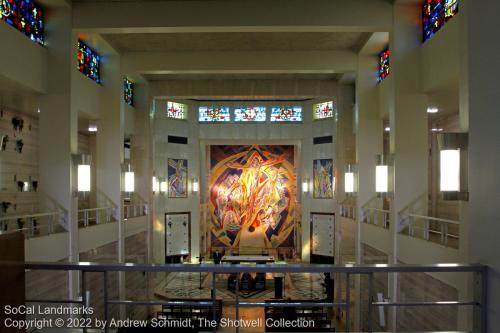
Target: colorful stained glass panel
176 110
286 113
384 65
450 9
128 91
213 114
26 16
88 62
324 110
250 113
435 14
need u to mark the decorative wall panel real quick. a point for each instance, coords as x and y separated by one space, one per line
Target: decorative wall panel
322 234
177 234
252 196
323 179
177 178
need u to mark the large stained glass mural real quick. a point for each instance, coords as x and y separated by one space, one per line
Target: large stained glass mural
89 62
323 179
177 178
213 114
250 113
286 113
26 16
435 14
252 197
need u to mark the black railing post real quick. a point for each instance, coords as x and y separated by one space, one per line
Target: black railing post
370 303
84 301
347 304
237 305
105 293
214 299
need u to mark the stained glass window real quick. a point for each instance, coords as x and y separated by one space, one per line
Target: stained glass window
26 16
323 110
286 113
383 65
88 62
176 110
250 113
128 91
214 114
450 9
435 14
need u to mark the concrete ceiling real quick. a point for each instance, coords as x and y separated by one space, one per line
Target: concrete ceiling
237 41
298 76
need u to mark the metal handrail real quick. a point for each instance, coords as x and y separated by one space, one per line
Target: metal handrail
348 208
480 296
97 215
34 228
426 228
377 209
257 268
94 209
135 210
27 216
431 218
370 216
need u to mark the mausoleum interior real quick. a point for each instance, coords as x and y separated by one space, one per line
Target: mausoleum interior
249 166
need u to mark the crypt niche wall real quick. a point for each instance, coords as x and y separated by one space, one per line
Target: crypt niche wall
252 202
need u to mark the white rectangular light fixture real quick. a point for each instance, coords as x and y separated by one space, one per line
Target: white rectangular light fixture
163 186
129 181
349 182
432 109
83 182
84 177
155 185
305 186
195 185
450 170
382 178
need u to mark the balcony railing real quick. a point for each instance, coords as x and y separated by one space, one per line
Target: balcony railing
135 210
33 225
376 216
375 212
478 301
414 222
93 216
135 206
433 229
348 208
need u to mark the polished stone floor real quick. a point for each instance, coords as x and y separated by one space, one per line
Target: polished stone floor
187 285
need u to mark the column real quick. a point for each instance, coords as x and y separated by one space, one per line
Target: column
368 130
110 150
481 103
58 130
409 124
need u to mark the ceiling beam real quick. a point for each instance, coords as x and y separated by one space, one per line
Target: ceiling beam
258 62
244 89
137 16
